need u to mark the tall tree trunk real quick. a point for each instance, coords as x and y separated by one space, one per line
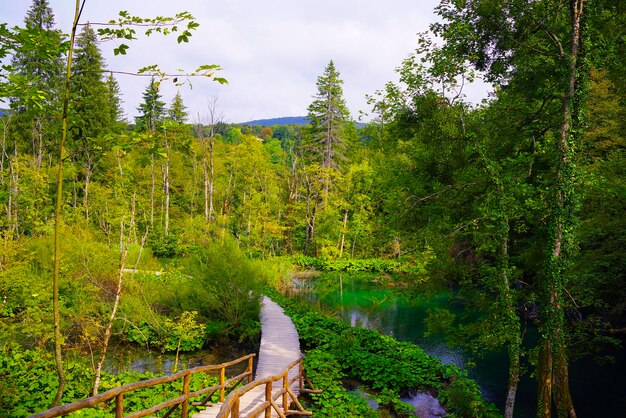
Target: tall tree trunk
211 176
553 375
166 187
152 186
116 304
57 216
88 170
205 171
329 149
13 206
507 310
39 142
515 339
343 232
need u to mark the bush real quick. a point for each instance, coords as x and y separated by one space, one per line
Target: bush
166 245
228 289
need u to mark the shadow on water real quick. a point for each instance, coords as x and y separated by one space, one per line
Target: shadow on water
359 300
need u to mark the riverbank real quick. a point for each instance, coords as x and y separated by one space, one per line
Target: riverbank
334 350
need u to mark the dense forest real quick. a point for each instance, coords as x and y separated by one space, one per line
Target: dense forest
517 204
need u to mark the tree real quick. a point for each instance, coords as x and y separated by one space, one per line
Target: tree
328 116
33 80
43 71
152 110
208 162
522 47
123 32
90 112
178 111
115 102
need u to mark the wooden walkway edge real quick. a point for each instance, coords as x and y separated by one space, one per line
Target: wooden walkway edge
280 347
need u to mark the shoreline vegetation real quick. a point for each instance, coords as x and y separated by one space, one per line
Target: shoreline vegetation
334 351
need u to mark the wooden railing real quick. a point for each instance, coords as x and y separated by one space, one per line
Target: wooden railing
182 400
231 406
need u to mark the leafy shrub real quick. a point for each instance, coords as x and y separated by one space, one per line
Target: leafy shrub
226 288
166 245
335 401
391 399
463 397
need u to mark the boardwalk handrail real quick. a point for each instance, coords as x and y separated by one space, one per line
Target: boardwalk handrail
230 408
183 400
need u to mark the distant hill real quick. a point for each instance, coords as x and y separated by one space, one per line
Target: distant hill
288 120
3 112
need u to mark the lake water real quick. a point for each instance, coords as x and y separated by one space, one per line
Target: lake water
361 301
124 357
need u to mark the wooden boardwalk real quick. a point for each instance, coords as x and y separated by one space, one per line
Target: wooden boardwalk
280 347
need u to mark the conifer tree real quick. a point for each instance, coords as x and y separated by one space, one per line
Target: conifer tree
31 127
152 110
42 70
116 113
328 116
178 111
90 113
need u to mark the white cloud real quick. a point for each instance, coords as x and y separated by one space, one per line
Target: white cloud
271 52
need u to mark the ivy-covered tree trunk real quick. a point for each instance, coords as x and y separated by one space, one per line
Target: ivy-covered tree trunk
553 375
515 338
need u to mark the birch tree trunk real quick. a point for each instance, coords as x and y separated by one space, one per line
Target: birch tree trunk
343 232
116 304
152 186
166 186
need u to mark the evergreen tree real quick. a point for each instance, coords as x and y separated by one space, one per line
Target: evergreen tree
116 113
42 70
178 111
33 125
90 112
328 116
152 110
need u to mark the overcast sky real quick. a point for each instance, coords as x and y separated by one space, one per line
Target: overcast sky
271 51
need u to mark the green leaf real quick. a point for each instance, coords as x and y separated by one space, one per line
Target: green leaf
121 50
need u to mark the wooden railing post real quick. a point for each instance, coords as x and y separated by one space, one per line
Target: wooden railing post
249 370
222 379
119 405
300 375
285 393
268 399
185 406
235 411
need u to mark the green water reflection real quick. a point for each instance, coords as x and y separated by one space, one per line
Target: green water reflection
364 302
